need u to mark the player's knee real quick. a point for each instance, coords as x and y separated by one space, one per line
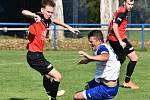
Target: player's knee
58 77
134 58
55 74
75 97
79 96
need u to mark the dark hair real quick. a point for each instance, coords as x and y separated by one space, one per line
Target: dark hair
44 3
96 33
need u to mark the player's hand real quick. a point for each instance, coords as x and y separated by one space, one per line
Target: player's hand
82 53
74 30
83 61
37 18
123 44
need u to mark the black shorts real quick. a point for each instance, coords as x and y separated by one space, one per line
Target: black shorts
119 50
37 61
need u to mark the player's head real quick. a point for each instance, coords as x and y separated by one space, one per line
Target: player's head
95 38
129 4
47 8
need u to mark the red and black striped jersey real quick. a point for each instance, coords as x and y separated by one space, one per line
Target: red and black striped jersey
37 34
120 18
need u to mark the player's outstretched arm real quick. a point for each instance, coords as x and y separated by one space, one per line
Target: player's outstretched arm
30 14
84 60
58 22
101 57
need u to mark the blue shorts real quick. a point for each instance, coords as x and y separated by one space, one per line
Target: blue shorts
99 91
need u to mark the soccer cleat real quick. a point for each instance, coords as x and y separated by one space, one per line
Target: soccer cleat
51 98
130 85
60 93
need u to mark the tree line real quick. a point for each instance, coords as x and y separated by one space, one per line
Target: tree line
139 14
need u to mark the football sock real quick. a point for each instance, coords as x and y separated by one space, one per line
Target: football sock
130 69
54 88
47 84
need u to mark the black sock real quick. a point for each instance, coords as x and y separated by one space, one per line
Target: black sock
130 69
54 88
47 84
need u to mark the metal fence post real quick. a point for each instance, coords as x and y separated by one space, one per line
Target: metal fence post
143 36
54 40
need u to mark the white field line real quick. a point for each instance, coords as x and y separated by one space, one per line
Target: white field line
20 63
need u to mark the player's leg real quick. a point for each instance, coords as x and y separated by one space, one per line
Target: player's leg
40 64
92 84
130 69
131 65
47 84
55 83
99 92
118 51
131 54
79 96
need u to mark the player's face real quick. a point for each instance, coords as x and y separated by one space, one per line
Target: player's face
129 5
94 42
47 12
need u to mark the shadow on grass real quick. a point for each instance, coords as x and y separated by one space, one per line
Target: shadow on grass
18 98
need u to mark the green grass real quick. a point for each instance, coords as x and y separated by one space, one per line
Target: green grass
132 35
137 35
19 82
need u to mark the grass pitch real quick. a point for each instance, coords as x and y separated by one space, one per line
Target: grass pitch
19 82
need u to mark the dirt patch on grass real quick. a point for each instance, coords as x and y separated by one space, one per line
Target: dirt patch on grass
12 44
72 44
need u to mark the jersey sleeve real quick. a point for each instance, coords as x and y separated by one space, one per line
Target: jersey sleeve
102 49
120 18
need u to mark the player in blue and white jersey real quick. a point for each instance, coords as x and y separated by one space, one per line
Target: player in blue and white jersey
105 83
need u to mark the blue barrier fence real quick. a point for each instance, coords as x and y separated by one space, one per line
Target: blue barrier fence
142 26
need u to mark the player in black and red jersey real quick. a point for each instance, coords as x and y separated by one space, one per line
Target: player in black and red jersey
36 37
119 42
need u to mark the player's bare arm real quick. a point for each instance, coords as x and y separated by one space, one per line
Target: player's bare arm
102 57
84 61
30 14
115 28
58 22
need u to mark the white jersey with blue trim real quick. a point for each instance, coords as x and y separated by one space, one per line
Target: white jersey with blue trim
108 70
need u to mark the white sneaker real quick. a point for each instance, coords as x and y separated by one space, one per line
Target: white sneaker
60 93
49 97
